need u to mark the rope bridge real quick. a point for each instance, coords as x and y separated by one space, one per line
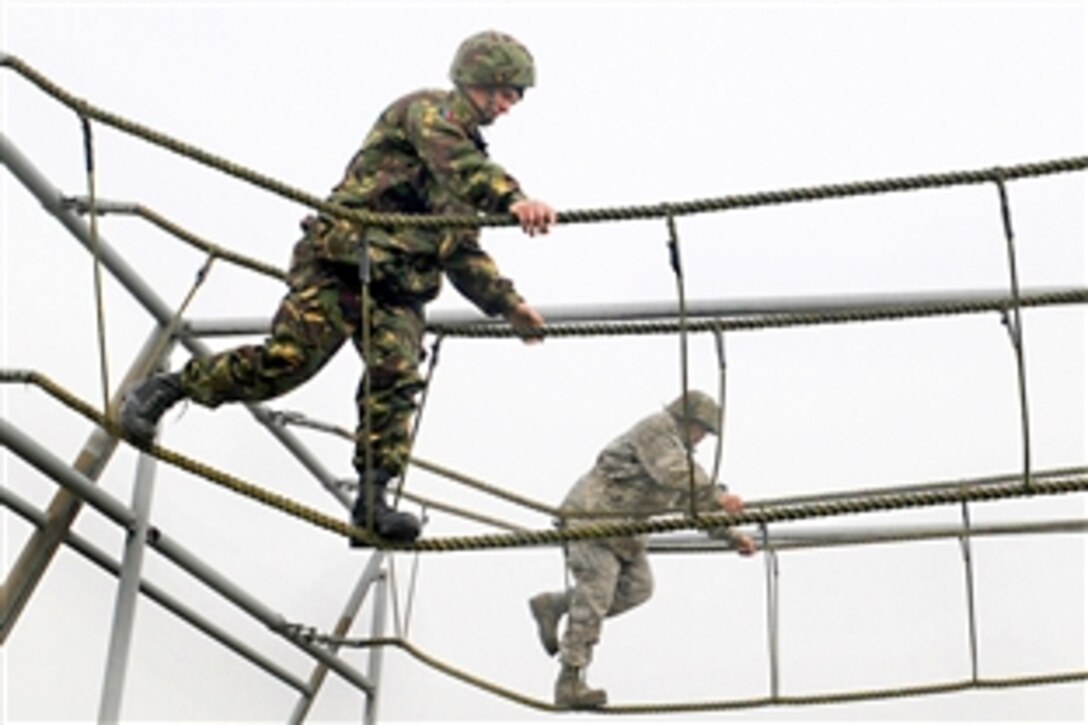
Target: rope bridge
1026 484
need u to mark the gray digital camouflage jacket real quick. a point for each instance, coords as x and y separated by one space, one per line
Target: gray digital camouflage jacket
642 473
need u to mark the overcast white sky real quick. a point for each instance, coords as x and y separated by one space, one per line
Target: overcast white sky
637 103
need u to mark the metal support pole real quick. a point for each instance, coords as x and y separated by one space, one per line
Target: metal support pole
371 573
29 450
793 538
374 667
184 612
770 558
25 447
38 552
127 591
43 543
53 201
271 619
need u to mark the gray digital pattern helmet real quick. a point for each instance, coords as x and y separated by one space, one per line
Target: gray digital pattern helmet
701 409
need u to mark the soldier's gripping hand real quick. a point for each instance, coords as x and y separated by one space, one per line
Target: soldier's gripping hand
525 320
731 502
734 504
535 217
743 543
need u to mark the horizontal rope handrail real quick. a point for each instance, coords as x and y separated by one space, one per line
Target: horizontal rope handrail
296 418
1029 485
102 207
284 417
653 211
426 502
754 515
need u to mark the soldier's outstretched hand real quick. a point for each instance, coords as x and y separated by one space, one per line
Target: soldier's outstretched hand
535 217
731 502
744 543
525 320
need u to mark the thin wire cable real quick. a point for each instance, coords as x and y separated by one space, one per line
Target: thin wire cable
969 576
487 488
291 417
719 449
175 321
96 262
367 488
417 421
418 418
1015 327
393 596
412 583
352 486
685 425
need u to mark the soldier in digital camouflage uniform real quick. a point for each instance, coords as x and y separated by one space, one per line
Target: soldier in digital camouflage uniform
424 154
642 473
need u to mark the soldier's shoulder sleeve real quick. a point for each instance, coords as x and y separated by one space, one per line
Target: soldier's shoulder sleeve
476 276
454 157
664 455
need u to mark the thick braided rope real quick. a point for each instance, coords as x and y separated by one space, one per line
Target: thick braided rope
775 320
212 249
826 698
226 480
82 206
484 487
655 211
87 110
296 418
831 698
758 515
892 500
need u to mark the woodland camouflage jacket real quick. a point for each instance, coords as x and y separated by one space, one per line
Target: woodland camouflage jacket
423 155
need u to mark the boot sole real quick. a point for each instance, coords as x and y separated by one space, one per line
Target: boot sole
550 646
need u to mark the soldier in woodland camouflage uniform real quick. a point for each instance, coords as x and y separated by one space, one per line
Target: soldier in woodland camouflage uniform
642 473
424 155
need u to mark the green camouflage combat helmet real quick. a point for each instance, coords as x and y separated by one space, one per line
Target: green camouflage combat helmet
704 410
492 58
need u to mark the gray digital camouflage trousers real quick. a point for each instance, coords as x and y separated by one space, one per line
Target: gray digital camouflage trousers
321 310
606 583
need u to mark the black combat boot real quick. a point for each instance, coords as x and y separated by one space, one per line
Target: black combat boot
388 523
145 404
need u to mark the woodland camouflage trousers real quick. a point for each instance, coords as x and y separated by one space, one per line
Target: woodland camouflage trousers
320 311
